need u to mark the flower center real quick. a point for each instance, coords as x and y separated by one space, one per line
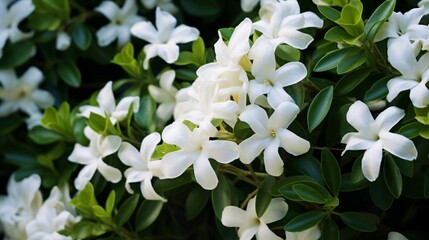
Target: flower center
268 83
273 133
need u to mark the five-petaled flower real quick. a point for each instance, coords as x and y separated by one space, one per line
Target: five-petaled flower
374 135
165 94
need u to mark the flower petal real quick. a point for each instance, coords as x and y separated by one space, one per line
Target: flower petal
129 155
397 85
400 54
398 145
204 173
257 119
178 134
82 155
387 119
265 233
165 23
124 105
109 145
371 161
292 143
277 96
106 100
295 38
276 210
272 160
85 175
356 141
290 73
110 173
221 150
359 116
146 31
183 34
283 116
109 9
175 163
252 147
233 216
419 95
148 191
107 34
32 77
169 52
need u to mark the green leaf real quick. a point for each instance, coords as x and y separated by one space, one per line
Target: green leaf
195 202
339 35
351 80
199 8
351 61
393 177
69 72
331 171
305 221
147 214
10 123
356 173
406 167
110 202
127 209
221 196
199 50
285 186
310 194
84 229
319 107
15 54
410 130
41 21
264 196
347 185
378 17
297 92
426 184
332 59
125 59
330 230
186 58
378 90
360 221
171 184
329 12
287 53
308 165
380 194
146 115
186 74
41 135
81 36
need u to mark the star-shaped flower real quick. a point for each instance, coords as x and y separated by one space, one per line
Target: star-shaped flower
165 95
373 136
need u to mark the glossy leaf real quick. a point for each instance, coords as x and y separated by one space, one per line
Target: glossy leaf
15 54
331 171
195 202
378 17
264 196
351 80
351 61
330 230
305 221
393 177
308 165
127 209
329 12
81 36
360 221
332 59
378 90
221 196
410 130
380 194
146 115
125 59
287 53
199 50
110 202
69 72
310 194
201 8
319 107
147 213
41 135
347 185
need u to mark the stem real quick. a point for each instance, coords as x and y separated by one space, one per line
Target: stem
250 196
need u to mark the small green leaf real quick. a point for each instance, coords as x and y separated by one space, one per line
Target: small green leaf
199 50
285 186
380 194
41 135
186 74
287 53
305 221
411 130
69 72
329 12
330 230
351 61
221 196
147 214
339 35
319 107
186 58
81 36
310 194
125 59
360 221
110 202
351 80
127 209
146 115
378 17
264 196
332 59
378 90
15 54
393 177
331 171
195 202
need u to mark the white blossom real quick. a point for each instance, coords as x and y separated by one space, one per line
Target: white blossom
10 18
396 236
249 224
63 41
312 233
196 148
142 168
164 39
424 4
107 105
166 5
270 134
121 20
165 94
92 157
248 5
374 135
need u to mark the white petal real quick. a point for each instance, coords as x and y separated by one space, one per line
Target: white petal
265 233
175 163
397 85
7 108
146 31
257 89
85 175
248 233
233 216
238 45
359 116
387 119
82 155
276 210
357 141
292 143
129 155
42 98
169 52
165 23
148 145
107 34
184 34
148 192
272 160
110 173
257 119
165 111
8 79
63 41
371 161
283 116
151 51
124 105
222 151
277 96
419 95
290 73
295 38
106 100
110 144
32 77
252 147
312 20
396 236
248 5
400 54
398 145
178 134
204 173
109 9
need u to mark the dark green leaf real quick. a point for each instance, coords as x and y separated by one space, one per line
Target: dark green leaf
411 130
81 36
186 74
393 177
332 59
127 209
264 196
201 8
351 61
287 53
347 185
329 12
297 92
41 135
284 186
357 174
195 202
361 221
146 116
10 123
331 171
330 230
305 221
380 194
319 107
378 90
147 214
378 17
69 72
310 194
406 167
308 165
221 196
351 80
15 54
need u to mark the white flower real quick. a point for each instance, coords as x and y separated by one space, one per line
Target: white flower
107 105
10 18
164 39
22 93
248 222
281 21
121 20
63 41
20 206
271 81
165 5
405 25
312 233
425 5
165 95
248 5
270 134
142 169
196 148
51 217
396 236
92 157
373 136
415 74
